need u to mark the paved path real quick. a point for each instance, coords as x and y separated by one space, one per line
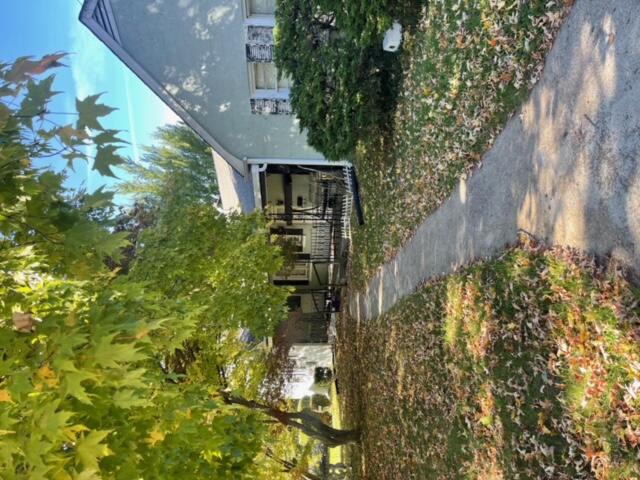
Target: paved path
566 168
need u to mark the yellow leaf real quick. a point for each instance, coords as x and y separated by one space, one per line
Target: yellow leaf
5 396
71 320
156 436
45 372
72 432
142 333
48 376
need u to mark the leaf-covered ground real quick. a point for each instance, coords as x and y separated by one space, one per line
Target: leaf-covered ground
527 366
467 66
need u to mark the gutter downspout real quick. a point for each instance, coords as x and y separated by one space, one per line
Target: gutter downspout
256 170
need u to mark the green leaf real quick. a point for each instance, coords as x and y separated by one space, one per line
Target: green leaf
90 449
129 398
108 354
106 158
72 155
7 91
81 233
108 136
35 449
5 113
99 198
65 365
89 111
52 422
132 379
88 474
71 136
35 101
111 244
72 385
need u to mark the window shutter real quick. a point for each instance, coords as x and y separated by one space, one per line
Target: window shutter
258 35
260 53
270 106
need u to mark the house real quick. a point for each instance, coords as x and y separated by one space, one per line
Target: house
211 61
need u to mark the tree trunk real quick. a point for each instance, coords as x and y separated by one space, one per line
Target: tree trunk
304 421
290 465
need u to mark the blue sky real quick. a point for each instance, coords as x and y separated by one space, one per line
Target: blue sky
38 27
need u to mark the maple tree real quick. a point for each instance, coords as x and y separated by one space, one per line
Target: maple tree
232 291
82 393
106 374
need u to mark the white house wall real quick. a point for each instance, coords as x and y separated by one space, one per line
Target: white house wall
305 359
300 187
195 49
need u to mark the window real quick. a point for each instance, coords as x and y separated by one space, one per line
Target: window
261 7
298 274
265 77
268 93
297 268
284 82
292 239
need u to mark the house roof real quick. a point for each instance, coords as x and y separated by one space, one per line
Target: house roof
236 187
97 16
236 191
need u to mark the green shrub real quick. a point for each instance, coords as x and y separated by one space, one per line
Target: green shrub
332 50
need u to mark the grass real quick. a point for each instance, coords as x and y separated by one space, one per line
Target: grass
467 66
527 366
336 454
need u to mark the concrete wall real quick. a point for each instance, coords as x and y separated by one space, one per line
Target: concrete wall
196 50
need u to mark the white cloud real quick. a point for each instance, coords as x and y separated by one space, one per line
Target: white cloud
132 123
87 61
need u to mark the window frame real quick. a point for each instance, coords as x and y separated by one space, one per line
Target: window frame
256 93
264 19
